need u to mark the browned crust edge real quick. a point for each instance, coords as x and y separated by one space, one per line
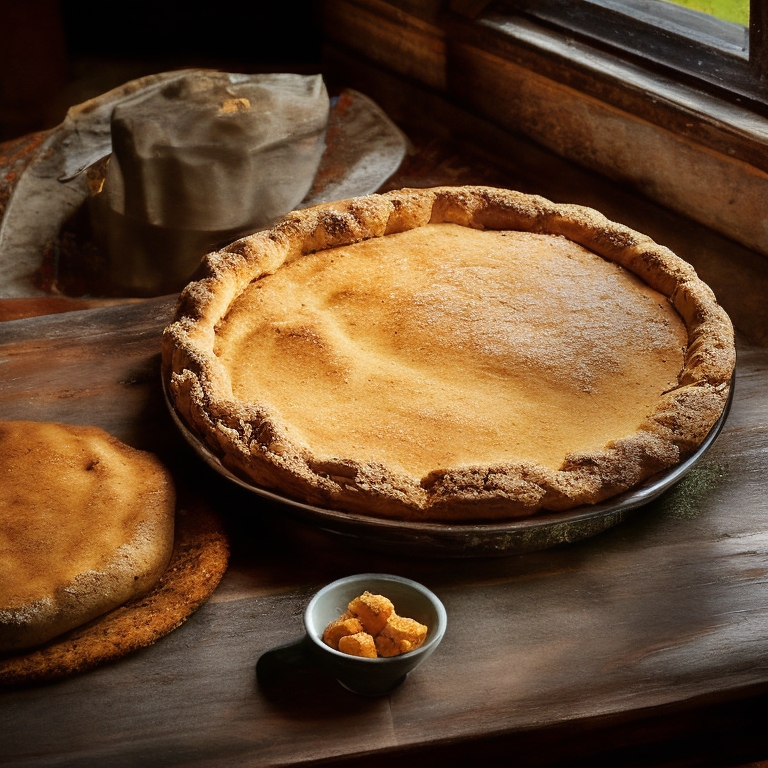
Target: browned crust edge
252 442
199 560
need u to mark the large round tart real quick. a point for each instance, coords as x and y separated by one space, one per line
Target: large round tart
448 354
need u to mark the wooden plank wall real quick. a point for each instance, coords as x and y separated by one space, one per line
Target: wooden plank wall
682 149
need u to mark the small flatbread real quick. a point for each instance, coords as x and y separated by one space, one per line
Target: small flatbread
86 523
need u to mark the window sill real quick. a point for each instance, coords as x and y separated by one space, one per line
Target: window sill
689 112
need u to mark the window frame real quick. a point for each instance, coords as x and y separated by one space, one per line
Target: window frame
721 58
717 118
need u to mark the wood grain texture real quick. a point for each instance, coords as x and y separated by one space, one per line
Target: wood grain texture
664 614
691 152
642 646
390 36
722 194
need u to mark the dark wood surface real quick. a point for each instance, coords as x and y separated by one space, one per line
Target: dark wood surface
646 645
664 614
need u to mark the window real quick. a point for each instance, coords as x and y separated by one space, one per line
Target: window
728 10
725 58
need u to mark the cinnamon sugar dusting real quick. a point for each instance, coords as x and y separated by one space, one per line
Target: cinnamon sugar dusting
443 346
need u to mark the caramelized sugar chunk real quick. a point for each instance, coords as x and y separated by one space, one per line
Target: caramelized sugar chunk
371 628
400 635
372 611
344 626
359 644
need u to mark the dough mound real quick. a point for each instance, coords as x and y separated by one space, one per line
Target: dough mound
86 523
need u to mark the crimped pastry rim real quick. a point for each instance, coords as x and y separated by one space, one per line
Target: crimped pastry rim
251 441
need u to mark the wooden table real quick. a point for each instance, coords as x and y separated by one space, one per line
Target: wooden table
645 645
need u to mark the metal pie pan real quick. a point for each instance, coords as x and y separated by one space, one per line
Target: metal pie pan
452 540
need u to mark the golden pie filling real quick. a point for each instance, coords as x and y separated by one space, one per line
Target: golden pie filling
434 348
449 354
